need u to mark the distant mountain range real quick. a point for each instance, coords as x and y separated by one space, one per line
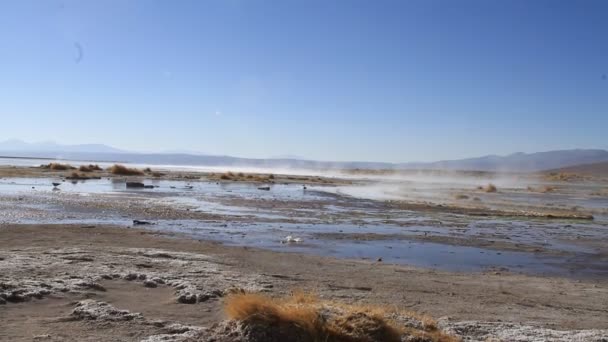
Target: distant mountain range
50 146
519 162
516 162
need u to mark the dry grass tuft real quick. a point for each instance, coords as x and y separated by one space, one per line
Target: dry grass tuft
58 167
461 197
490 188
303 317
547 188
122 170
89 168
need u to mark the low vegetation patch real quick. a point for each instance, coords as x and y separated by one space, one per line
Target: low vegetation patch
566 177
122 170
58 167
240 176
490 188
305 318
547 188
89 168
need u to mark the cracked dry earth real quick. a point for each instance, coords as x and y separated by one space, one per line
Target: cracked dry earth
115 284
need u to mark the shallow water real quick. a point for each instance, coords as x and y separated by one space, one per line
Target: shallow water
257 218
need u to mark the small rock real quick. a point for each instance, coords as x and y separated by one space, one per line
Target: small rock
203 297
150 283
42 337
131 276
15 297
138 222
91 285
187 298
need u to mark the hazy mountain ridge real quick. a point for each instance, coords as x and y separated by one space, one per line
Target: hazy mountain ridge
50 146
520 162
516 162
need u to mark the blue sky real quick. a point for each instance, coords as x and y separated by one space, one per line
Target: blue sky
331 80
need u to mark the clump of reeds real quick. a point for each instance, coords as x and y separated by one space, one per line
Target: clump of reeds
118 169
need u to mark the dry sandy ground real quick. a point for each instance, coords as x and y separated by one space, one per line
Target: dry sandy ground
46 270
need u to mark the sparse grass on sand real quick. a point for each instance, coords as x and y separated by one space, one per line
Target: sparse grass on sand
57 167
122 170
303 317
240 176
89 168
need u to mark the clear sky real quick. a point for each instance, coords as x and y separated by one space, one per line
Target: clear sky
369 80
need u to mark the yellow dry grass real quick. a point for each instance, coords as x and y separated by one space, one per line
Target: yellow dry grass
122 170
89 168
490 188
57 167
304 317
